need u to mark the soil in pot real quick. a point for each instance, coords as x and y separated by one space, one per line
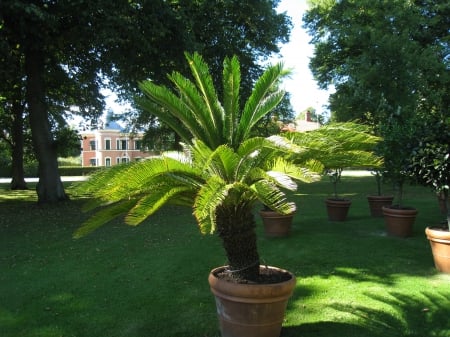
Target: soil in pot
399 221
252 309
337 208
275 224
376 203
439 239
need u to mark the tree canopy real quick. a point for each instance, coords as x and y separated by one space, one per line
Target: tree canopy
57 55
383 57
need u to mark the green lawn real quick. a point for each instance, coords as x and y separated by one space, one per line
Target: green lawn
151 280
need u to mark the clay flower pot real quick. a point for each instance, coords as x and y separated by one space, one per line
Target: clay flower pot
440 246
251 310
376 203
275 224
399 221
337 209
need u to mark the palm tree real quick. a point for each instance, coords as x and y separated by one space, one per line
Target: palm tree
222 171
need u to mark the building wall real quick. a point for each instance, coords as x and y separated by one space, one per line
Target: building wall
110 147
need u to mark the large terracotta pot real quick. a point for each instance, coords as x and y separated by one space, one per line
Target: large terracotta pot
337 209
275 224
399 221
440 247
376 203
250 310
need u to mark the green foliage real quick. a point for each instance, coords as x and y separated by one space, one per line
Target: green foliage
381 55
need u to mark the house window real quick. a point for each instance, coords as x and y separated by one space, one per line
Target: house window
122 144
138 144
108 161
107 144
93 162
92 145
125 160
118 160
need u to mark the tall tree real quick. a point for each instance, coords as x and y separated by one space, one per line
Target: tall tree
384 57
70 48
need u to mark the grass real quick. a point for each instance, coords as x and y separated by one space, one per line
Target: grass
151 280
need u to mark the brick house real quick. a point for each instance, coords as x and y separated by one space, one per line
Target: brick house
110 146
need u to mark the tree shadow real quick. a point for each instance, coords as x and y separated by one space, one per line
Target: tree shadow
425 314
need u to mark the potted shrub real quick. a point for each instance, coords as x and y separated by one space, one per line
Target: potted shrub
222 172
379 200
398 139
337 146
430 166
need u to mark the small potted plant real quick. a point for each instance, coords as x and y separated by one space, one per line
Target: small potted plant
222 172
430 166
338 146
276 224
396 147
379 200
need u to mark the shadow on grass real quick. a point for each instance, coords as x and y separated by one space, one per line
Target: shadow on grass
422 315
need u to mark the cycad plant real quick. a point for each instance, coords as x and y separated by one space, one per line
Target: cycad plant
221 172
337 146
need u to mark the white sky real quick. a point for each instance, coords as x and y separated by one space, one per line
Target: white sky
295 55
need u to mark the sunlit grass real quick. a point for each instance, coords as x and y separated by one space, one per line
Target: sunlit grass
352 280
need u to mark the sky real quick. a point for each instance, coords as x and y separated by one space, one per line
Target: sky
295 55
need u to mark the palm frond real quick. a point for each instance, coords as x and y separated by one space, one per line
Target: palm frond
209 197
205 85
231 87
152 202
273 197
264 86
104 216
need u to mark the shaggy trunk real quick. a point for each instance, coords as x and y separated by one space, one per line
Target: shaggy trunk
50 188
237 231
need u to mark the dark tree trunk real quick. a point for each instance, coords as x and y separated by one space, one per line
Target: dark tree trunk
18 172
237 231
50 188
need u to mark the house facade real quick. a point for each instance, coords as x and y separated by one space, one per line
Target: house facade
110 146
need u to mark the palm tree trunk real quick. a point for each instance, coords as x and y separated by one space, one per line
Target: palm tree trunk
236 228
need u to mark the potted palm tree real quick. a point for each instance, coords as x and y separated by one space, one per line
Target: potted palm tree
398 140
430 166
337 146
222 172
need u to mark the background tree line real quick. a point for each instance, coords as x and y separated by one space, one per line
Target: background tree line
56 56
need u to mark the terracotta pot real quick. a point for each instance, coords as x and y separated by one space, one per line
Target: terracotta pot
250 310
275 224
399 221
440 247
376 203
337 209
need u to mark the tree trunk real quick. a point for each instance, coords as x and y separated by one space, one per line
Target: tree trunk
237 231
49 188
18 172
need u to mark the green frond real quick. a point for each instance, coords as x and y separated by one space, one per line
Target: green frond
152 202
293 171
209 197
104 216
271 196
198 109
257 104
222 162
169 109
205 85
231 87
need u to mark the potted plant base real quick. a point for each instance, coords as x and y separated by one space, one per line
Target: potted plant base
376 203
399 221
439 239
337 209
251 310
275 224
